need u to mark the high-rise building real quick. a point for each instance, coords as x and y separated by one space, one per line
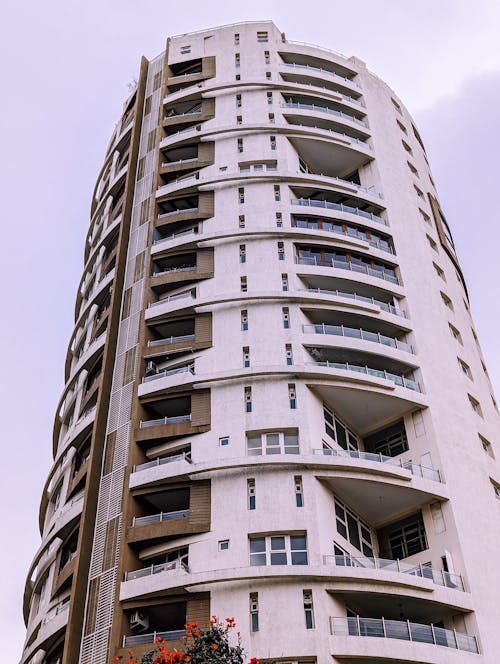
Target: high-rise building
275 403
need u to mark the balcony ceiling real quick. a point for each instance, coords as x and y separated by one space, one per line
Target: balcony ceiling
329 158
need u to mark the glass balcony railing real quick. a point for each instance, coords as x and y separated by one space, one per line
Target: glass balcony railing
156 569
172 236
193 210
162 516
180 268
403 631
358 333
172 113
179 162
171 340
185 456
63 606
310 202
390 308
172 298
152 637
323 109
376 242
414 468
165 420
353 267
169 372
400 381
439 577
319 70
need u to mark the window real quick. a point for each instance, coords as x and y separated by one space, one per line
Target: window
406 147
271 117
151 140
432 243
396 105
439 272
267 58
241 195
244 320
236 38
238 77
157 80
418 137
237 59
277 193
224 441
284 282
272 140
240 145
447 301
352 528
251 494
308 609
486 445
269 97
286 318
413 169
268 74
223 545
141 168
279 220
292 396
185 49
239 119
241 221
278 550
425 216
248 399
281 251
276 442
246 357
338 431
243 284
288 354
243 253
455 333
418 191
475 405
465 368
402 127
299 494
254 612
262 37
404 538
147 105
390 441
496 488
238 101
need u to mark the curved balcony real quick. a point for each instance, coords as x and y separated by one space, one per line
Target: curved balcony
319 72
51 626
152 637
399 380
358 333
161 516
384 306
174 566
350 266
339 207
324 109
411 632
170 372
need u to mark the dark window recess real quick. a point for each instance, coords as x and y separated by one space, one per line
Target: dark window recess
390 441
403 538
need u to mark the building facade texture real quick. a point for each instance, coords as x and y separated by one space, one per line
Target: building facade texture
275 403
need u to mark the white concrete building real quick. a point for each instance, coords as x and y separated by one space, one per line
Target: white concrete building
276 406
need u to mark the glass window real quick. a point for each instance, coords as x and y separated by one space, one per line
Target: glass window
278 550
352 528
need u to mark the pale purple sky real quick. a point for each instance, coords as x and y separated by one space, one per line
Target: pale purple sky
65 69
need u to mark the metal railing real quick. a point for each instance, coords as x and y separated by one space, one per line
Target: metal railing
401 381
162 516
179 162
352 267
337 77
181 131
169 372
181 268
310 202
164 420
180 211
151 637
439 577
403 630
63 606
173 113
323 109
377 242
156 569
185 74
390 308
172 298
172 236
350 183
358 333
171 340
185 456
414 468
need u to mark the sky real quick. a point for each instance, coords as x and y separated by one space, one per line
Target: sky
65 69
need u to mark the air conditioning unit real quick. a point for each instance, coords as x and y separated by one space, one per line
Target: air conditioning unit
151 368
138 621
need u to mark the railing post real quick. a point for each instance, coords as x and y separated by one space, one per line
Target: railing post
123 641
358 625
409 630
383 627
398 565
421 568
455 637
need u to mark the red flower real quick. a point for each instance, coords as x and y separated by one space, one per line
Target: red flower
254 660
215 646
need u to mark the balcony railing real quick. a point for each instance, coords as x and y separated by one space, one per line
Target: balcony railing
401 381
169 372
414 468
403 631
181 268
344 265
358 333
172 236
179 162
162 516
173 114
171 340
323 109
310 202
172 298
390 308
439 577
192 210
185 456
63 606
378 243
151 637
344 79
164 420
156 569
